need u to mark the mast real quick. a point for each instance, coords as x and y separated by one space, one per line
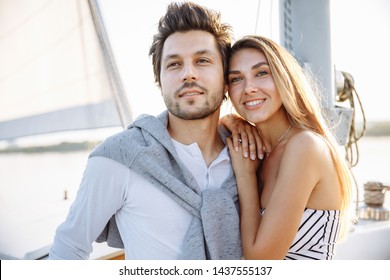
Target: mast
116 82
305 30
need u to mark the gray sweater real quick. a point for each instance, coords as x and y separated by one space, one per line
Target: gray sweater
146 148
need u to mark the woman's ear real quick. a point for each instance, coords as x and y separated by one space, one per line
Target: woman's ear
226 90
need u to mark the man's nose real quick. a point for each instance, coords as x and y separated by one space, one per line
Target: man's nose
189 73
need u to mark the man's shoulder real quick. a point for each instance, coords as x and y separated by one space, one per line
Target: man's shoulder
118 145
132 133
119 138
127 144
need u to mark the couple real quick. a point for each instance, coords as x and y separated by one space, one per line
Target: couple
176 186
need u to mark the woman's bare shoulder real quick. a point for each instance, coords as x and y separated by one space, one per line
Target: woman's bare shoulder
307 142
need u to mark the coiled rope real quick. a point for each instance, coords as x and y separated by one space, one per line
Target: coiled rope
349 93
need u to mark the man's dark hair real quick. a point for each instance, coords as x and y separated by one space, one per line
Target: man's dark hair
187 16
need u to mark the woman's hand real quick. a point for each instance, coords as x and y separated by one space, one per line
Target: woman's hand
243 166
245 136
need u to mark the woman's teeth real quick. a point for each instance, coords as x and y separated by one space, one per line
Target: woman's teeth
254 103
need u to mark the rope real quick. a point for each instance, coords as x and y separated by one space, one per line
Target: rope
374 193
349 93
351 148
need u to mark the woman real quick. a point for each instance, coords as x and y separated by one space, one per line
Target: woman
305 182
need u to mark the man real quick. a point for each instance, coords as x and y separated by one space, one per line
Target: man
166 182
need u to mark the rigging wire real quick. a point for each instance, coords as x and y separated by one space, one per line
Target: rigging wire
261 5
257 16
270 20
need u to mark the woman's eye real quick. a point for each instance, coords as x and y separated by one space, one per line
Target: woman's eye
234 79
262 73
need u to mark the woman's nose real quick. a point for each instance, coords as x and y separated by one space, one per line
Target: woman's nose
250 88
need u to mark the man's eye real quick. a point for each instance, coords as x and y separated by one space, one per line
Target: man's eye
203 60
173 64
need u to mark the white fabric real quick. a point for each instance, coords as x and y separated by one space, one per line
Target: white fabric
154 224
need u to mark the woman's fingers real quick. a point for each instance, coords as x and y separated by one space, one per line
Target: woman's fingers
251 131
258 143
241 166
251 142
236 137
244 136
244 141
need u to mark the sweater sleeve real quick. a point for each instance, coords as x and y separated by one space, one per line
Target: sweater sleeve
101 194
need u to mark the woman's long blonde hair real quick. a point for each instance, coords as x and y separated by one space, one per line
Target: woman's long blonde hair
300 97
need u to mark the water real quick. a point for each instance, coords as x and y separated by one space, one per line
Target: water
32 197
37 189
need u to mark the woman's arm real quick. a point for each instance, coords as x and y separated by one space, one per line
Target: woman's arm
270 236
245 171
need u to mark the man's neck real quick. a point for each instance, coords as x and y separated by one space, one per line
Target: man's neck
204 132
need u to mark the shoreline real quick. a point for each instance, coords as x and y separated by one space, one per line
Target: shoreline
373 130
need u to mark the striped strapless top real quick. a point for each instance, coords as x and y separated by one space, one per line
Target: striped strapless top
316 237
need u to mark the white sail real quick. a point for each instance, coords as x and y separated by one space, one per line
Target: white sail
56 69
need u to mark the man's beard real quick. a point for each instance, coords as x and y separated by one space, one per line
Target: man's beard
207 109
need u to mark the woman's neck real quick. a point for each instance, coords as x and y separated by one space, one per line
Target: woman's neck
273 132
